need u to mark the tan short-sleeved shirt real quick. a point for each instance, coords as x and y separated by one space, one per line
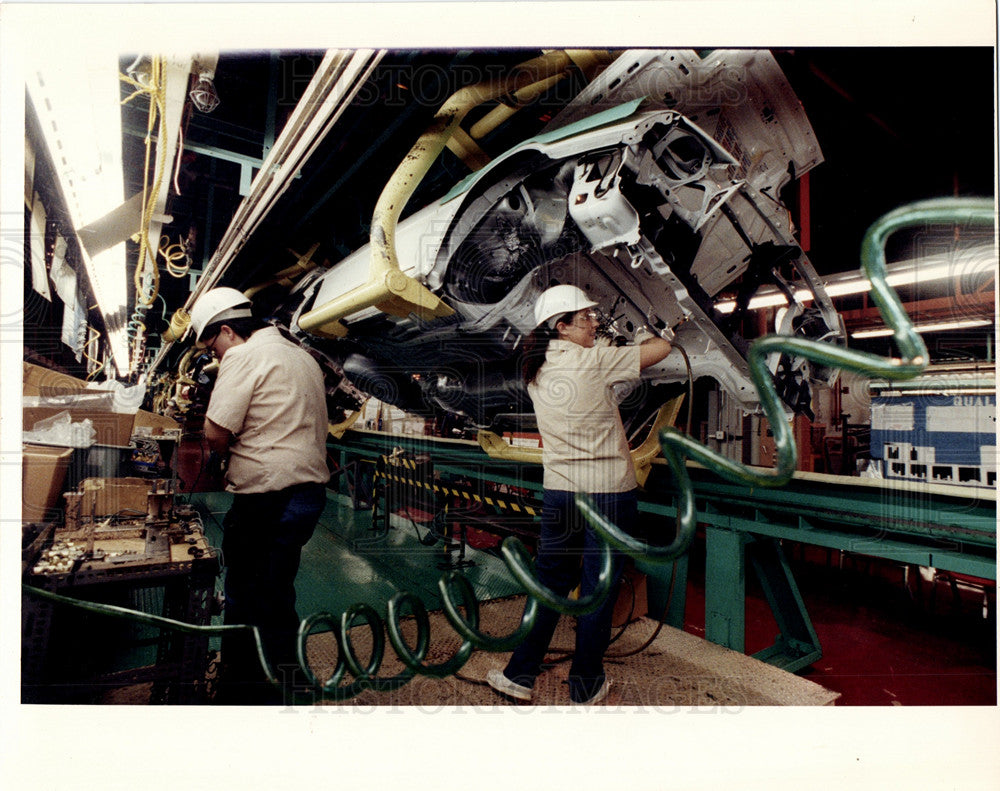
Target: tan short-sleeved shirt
270 394
584 448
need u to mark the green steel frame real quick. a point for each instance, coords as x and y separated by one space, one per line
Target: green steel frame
914 524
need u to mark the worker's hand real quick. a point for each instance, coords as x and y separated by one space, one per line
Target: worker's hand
645 332
215 467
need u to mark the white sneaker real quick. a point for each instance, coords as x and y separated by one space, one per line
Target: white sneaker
597 697
503 685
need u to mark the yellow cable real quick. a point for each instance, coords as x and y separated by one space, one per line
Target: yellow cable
157 107
174 252
86 353
157 103
147 272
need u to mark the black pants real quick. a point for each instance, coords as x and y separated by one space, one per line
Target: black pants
261 547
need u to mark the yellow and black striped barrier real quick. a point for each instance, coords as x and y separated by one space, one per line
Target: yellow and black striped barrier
503 504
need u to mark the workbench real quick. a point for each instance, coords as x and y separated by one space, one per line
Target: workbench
158 564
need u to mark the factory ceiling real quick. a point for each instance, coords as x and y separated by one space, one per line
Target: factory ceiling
894 125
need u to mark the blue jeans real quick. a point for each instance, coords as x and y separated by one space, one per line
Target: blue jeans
566 540
262 547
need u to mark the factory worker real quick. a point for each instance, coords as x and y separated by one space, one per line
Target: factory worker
267 413
584 449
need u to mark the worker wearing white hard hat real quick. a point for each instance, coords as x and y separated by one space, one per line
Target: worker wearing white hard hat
216 305
267 414
584 449
559 300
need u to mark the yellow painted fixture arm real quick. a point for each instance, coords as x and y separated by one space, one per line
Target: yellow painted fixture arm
590 62
466 149
388 288
287 277
337 429
504 111
642 456
496 447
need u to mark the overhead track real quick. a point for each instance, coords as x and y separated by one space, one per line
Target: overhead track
338 78
388 288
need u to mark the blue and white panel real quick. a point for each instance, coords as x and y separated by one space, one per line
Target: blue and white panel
944 439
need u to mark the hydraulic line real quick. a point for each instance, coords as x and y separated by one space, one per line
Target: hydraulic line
676 448
115 611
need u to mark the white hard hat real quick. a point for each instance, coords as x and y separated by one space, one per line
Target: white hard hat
558 300
218 304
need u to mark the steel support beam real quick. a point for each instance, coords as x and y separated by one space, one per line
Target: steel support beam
796 645
725 588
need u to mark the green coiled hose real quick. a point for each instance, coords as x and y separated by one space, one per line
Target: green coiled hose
677 446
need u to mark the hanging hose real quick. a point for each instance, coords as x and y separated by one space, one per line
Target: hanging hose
179 324
147 349
676 448
86 353
172 253
147 273
135 330
690 380
913 360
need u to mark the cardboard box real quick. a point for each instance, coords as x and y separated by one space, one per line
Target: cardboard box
112 428
39 381
43 469
157 426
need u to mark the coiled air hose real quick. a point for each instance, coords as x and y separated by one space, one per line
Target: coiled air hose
913 359
676 448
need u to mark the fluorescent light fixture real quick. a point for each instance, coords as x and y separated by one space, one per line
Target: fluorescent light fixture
883 332
765 300
109 272
75 91
973 261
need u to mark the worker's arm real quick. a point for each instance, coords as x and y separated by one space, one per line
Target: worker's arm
652 350
218 437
